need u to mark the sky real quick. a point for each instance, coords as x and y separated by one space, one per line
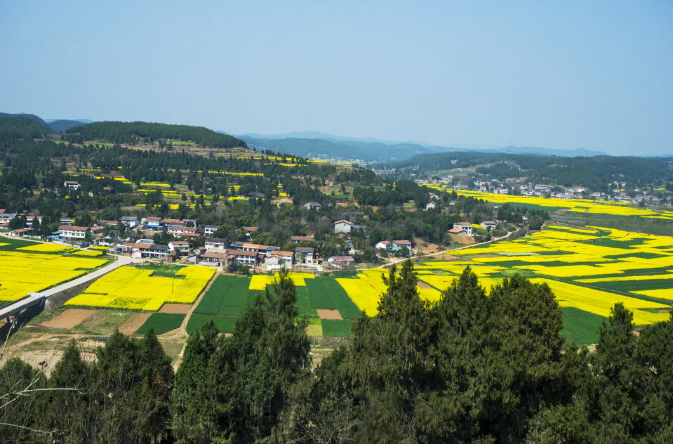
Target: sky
564 75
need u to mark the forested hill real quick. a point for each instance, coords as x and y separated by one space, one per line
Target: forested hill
595 172
133 132
62 125
22 126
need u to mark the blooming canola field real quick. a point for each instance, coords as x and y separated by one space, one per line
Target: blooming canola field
27 272
588 269
585 206
136 288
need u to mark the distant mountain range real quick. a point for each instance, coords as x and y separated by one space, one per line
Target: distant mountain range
61 125
317 144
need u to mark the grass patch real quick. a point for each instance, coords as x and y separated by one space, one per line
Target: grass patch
580 326
161 323
224 324
331 328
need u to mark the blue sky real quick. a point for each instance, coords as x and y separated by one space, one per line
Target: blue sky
568 74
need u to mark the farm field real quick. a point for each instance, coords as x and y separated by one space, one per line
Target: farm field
143 288
582 206
161 323
27 267
589 270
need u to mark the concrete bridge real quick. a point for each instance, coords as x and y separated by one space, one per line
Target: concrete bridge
16 307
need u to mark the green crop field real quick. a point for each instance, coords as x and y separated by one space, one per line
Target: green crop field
331 328
14 244
328 294
161 323
580 326
213 299
224 324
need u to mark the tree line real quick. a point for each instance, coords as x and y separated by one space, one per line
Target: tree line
135 132
470 368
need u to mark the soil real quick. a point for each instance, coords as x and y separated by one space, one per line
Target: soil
451 258
175 308
133 323
423 285
465 240
69 318
423 247
329 314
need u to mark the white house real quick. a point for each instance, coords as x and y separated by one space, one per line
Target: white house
279 259
70 232
312 205
343 226
71 185
211 258
308 255
465 226
399 244
129 221
180 231
242 257
383 245
209 230
181 248
431 206
157 251
214 243
340 261
488 225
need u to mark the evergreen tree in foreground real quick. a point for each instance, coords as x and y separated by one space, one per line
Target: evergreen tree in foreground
470 368
236 389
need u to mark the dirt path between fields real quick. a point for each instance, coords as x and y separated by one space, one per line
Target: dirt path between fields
183 327
446 251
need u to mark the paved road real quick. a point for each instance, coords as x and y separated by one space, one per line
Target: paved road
121 261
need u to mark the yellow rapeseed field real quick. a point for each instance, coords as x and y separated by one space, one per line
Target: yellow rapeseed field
22 273
366 290
600 302
136 289
260 281
90 253
561 255
46 248
577 205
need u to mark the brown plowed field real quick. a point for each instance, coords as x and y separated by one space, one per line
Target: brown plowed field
133 323
69 318
175 308
329 314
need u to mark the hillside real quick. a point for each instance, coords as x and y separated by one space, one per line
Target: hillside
134 132
62 125
594 172
22 126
